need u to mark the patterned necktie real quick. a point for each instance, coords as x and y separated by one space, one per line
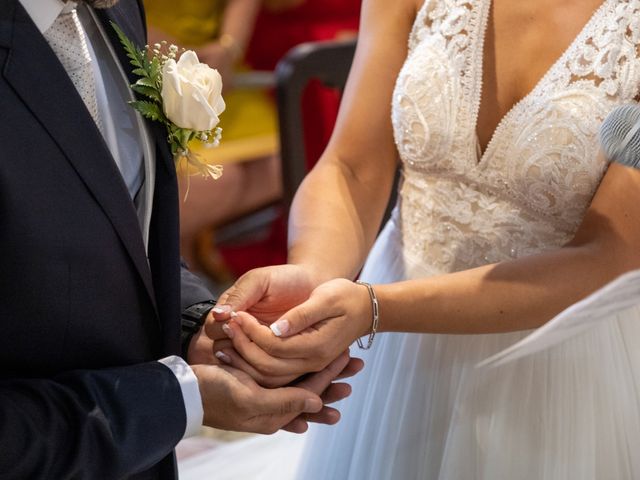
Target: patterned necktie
68 41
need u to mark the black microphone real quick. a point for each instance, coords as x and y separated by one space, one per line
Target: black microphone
620 135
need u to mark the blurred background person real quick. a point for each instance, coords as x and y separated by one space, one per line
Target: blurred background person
219 32
283 24
238 37
280 26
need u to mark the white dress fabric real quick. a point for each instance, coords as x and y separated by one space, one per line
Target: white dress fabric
421 409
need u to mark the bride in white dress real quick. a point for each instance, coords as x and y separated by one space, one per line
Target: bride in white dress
502 183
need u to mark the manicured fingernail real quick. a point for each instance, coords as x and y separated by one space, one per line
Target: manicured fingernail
228 331
223 357
281 327
312 405
221 309
233 314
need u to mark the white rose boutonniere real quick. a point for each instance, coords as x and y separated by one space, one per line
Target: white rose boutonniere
185 95
192 93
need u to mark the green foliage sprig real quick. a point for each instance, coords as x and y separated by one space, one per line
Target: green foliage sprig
148 64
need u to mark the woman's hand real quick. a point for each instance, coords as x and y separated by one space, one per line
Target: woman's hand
306 338
266 293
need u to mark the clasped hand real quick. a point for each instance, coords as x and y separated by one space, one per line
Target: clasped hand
233 366
286 326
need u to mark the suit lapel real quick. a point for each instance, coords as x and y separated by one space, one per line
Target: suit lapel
39 79
123 17
120 15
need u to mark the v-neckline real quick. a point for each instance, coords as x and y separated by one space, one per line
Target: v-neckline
481 156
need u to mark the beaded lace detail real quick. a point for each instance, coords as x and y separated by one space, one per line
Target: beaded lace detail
529 190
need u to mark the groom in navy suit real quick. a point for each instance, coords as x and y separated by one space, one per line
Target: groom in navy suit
91 287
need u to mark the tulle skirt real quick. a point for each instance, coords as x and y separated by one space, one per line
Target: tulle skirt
422 409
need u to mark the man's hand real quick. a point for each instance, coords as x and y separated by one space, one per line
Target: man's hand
232 400
266 293
212 346
333 393
310 336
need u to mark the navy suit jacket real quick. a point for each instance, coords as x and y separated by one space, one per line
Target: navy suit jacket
83 314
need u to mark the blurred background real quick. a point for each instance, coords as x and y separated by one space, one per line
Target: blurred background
238 222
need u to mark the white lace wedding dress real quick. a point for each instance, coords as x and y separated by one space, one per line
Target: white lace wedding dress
421 409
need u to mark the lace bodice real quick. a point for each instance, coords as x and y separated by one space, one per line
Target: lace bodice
529 190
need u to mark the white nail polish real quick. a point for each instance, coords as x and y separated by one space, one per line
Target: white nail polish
222 309
223 357
227 330
279 328
275 329
233 314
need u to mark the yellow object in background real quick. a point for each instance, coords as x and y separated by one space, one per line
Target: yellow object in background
249 124
191 22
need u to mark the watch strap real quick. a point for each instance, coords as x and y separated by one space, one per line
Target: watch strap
192 319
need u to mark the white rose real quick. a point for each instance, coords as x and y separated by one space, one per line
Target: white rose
191 93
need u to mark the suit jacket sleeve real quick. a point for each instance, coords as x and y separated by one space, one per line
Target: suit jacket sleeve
193 289
133 416
75 285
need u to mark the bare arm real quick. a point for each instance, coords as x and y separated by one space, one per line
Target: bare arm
236 29
526 292
228 48
239 20
338 208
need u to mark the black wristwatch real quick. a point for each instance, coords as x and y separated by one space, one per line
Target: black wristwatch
192 319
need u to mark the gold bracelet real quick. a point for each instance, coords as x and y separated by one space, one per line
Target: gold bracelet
376 316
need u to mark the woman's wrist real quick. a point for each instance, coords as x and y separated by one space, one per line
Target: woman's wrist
385 298
370 319
315 274
321 266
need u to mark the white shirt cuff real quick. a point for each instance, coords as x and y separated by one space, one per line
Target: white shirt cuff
190 393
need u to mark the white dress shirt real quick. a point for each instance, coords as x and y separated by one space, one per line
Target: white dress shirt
128 140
